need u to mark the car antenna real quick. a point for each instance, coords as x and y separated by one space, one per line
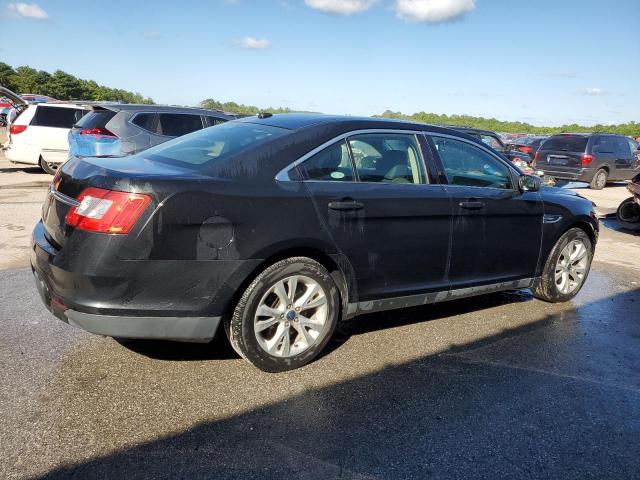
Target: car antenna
265 115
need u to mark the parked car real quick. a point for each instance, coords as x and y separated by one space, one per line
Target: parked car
38 136
528 145
112 129
5 108
628 212
594 158
35 98
494 141
270 226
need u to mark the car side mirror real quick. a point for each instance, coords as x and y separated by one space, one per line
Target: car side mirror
529 183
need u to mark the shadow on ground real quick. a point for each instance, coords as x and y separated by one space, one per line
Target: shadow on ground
559 398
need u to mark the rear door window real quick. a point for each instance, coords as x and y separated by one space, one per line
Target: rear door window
146 121
57 117
178 124
566 143
387 158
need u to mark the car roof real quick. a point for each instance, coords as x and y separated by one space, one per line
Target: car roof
142 107
59 105
296 121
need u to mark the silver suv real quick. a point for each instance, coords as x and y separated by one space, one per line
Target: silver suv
115 130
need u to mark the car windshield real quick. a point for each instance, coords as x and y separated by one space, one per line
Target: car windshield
213 144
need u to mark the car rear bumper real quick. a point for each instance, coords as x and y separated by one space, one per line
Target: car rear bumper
22 153
565 173
182 300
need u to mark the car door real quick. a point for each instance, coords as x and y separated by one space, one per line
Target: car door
497 229
625 159
382 212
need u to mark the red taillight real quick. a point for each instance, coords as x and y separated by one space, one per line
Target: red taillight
97 132
107 211
16 129
527 150
537 156
587 159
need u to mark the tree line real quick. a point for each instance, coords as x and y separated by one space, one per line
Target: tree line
631 129
63 86
233 107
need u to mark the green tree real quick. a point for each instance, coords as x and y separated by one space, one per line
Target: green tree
25 80
6 76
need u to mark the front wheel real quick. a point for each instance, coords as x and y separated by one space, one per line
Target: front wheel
628 214
566 268
286 316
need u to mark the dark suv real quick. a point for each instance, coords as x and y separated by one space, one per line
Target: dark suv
595 158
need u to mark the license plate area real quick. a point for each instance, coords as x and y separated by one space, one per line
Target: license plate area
558 159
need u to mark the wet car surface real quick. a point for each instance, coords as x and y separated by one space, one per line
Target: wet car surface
494 386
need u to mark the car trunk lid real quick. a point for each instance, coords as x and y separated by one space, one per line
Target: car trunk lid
127 174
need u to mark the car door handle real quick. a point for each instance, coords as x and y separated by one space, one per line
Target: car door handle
345 205
472 205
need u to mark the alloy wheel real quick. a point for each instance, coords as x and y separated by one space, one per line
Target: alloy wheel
571 267
291 316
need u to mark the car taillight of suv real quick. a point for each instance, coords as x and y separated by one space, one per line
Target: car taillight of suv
587 160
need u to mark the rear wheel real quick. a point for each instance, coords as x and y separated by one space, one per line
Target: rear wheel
49 168
286 316
599 180
628 214
566 268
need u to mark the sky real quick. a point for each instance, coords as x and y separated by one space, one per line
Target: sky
545 62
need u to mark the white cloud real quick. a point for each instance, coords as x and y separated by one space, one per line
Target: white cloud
340 7
253 43
27 10
594 92
433 11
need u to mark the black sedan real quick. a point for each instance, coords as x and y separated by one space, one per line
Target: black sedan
274 228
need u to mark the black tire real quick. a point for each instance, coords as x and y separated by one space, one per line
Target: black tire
240 327
628 215
46 167
599 180
546 288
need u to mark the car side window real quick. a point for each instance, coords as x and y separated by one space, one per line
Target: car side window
332 164
604 145
491 141
468 165
387 158
55 117
214 120
145 121
623 148
178 124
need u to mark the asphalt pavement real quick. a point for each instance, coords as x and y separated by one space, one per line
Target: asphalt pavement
499 386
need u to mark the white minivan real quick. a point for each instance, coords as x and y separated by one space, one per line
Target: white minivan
38 136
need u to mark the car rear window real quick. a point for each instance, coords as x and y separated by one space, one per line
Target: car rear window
566 143
96 119
57 117
211 145
177 124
